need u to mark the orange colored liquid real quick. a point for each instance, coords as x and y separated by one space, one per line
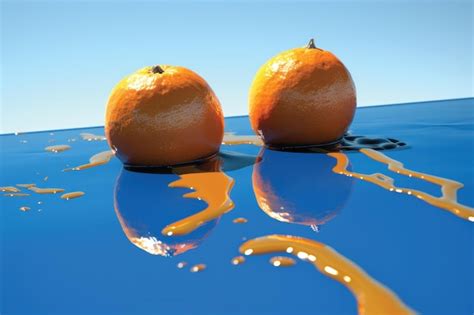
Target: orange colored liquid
240 220
230 139
448 200
72 195
181 264
281 261
96 160
10 189
198 268
239 260
26 185
45 190
57 148
211 187
372 297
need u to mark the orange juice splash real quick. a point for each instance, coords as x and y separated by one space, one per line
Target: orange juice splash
448 200
231 139
240 220
10 189
211 187
96 160
57 148
281 261
372 297
72 195
238 260
45 190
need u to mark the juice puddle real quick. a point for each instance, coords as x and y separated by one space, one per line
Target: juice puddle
198 268
372 297
57 148
230 139
347 143
72 195
26 185
92 137
281 261
96 160
10 189
45 190
448 200
239 260
211 187
240 220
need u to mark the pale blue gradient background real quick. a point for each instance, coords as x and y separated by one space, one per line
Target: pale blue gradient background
61 59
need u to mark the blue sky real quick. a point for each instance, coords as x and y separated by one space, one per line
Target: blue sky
60 59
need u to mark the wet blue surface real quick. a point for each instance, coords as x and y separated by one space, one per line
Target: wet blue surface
73 257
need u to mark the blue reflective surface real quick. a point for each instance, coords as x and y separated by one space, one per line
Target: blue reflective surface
74 257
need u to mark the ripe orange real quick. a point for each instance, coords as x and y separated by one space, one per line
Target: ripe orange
303 96
163 115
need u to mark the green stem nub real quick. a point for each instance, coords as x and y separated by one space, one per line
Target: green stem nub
157 69
311 44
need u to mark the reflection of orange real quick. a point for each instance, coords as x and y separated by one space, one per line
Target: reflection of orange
302 96
163 115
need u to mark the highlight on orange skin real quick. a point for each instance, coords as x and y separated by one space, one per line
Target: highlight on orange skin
372 297
448 200
211 187
163 115
303 96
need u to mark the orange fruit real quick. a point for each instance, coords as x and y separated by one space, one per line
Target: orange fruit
303 96
163 115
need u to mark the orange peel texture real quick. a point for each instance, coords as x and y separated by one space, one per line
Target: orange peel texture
303 96
163 115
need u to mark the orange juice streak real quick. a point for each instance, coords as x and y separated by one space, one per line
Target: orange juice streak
10 189
235 139
281 261
238 260
240 220
57 148
26 185
45 190
448 200
96 160
372 297
211 187
72 195
198 268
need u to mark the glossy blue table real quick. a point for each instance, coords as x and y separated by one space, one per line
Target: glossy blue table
73 256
